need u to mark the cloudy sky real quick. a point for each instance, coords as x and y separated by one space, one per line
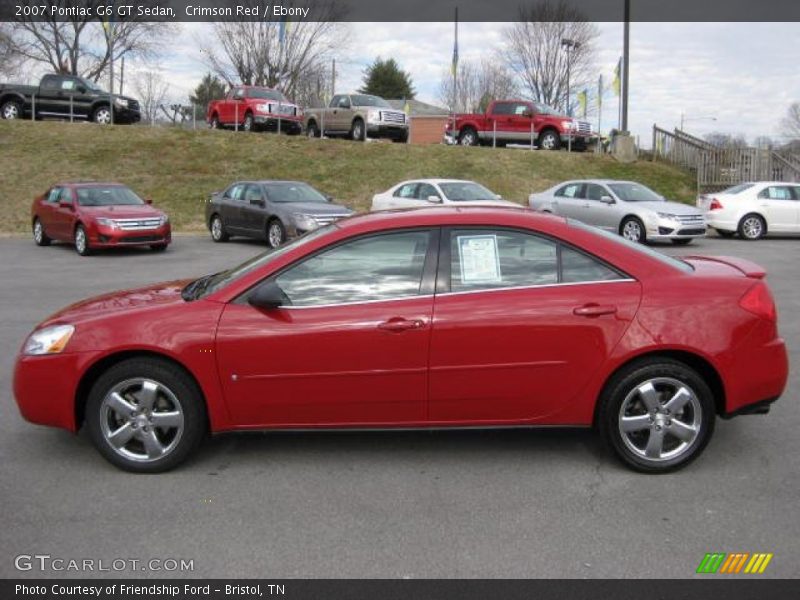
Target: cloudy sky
733 77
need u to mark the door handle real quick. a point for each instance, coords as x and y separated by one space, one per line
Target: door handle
398 325
594 310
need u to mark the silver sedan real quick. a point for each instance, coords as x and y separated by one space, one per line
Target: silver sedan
631 209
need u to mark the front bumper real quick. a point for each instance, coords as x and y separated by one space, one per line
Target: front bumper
288 124
381 130
126 116
101 236
667 229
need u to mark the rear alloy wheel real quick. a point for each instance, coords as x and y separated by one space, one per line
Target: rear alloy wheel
11 110
214 124
632 230
752 227
39 236
102 116
218 233
82 241
312 130
276 233
657 415
145 415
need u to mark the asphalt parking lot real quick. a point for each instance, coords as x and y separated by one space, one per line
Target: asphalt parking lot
446 504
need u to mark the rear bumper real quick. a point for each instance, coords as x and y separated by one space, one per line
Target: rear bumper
756 375
721 221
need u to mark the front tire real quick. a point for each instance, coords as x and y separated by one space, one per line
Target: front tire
82 241
358 132
276 233
248 124
11 110
39 235
102 115
549 139
656 415
752 227
145 415
217 228
632 229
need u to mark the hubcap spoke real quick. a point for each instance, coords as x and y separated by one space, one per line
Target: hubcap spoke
678 401
152 445
120 405
147 395
166 420
649 396
120 437
655 444
683 431
638 423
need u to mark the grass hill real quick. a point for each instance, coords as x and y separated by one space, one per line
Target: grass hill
179 168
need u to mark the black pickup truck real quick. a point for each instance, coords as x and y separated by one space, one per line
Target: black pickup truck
64 97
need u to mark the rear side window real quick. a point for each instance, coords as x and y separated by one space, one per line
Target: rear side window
577 267
776 192
406 191
571 190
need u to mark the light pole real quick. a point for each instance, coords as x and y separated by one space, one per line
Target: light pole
569 45
703 118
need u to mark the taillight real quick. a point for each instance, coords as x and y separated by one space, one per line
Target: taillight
715 204
758 300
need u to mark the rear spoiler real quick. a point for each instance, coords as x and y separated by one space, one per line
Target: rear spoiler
747 268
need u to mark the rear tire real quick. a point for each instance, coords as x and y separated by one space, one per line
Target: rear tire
656 415
39 235
468 137
82 241
217 228
312 130
156 408
214 124
752 227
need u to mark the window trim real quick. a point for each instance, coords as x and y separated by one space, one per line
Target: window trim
445 260
427 282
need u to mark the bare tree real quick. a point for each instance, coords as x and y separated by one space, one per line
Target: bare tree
151 90
534 50
791 123
477 84
9 58
726 140
287 55
82 45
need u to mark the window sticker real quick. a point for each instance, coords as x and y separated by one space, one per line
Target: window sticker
479 259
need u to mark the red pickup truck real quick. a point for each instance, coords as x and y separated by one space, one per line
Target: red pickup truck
255 108
517 121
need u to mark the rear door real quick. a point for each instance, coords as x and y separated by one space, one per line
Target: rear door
252 209
406 196
64 214
230 203
568 200
779 206
521 324
46 211
502 122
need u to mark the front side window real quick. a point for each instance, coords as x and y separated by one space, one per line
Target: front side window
487 259
54 194
235 192
595 192
425 190
379 267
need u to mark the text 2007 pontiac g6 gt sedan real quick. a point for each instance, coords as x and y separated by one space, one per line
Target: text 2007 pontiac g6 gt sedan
437 317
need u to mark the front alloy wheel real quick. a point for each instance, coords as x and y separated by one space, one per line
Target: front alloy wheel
633 230
657 415
145 415
39 236
102 116
276 234
357 133
218 233
82 241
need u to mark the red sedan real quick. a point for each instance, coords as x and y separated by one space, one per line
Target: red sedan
98 215
431 318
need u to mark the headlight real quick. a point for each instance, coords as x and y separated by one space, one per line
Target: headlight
164 220
568 124
305 222
50 340
264 108
669 216
106 222
373 116
121 102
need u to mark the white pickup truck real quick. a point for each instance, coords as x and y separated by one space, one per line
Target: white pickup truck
358 116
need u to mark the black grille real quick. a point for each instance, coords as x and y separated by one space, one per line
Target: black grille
691 231
133 105
138 239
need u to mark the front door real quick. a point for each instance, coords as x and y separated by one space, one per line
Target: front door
521 324
350 347
599 207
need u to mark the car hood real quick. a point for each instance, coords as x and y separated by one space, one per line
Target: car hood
125 300
122 211
316 208
675 208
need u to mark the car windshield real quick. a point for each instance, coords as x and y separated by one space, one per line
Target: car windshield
209 284
112 195
634 246
466 191
366 100
292 192
91 85
266 94
545 109
634 192
737 188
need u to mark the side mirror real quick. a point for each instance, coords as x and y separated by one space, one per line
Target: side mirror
148 200
81 89
606 200
498 197
435 199
65 204
257 202
329 198
268 296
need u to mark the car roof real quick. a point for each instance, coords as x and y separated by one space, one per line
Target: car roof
436 180
90 183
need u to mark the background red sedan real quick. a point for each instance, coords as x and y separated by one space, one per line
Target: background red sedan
98 215
440 317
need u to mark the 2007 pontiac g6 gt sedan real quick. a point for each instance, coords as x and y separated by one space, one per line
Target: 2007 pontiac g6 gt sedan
429 318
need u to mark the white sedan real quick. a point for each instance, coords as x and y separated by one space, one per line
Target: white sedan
753 209
430 192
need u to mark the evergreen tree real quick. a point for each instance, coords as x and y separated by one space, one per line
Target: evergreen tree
386 79
210 88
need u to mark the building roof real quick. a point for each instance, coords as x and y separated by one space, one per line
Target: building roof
419 108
